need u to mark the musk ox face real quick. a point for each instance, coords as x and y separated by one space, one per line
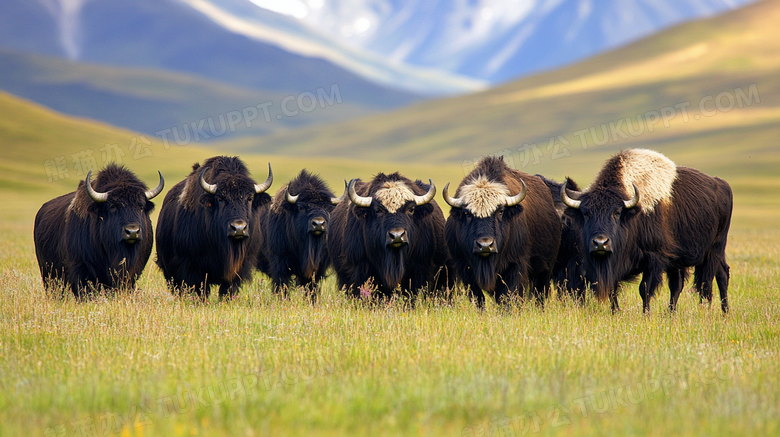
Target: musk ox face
602 213
308 210
481 218
389 219
302 220
122 211
229 200
604 217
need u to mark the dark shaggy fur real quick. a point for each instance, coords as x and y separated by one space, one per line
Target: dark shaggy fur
526 235
194 250
688 230
357 242
290 246
568 272
81 243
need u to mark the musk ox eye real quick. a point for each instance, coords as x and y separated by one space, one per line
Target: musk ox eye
410 210
301 208
112 208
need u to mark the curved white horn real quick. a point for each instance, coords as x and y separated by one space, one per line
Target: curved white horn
96 196
357 199
207 187
151 194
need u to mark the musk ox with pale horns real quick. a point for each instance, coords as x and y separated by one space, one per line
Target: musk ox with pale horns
295 230
644 215
392 232
207 233
502 232
98 236
568 273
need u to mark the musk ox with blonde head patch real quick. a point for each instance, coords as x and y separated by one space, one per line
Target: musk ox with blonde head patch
644 215
503 232
389 230
99 236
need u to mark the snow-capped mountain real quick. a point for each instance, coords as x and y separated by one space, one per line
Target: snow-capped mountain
424 46
485 40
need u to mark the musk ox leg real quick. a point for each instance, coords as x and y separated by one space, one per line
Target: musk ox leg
613 301
577 288
444 280
476 295
542 287
229 290
652 277
509 284
200 287
722 276
676 279
310 286
703 275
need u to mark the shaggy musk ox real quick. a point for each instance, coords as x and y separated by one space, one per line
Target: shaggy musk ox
207 233
391 231
502 231
295 230
99 235
645 215
568 272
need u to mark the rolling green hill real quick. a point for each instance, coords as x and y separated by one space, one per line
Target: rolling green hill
148 100
33 138
734 54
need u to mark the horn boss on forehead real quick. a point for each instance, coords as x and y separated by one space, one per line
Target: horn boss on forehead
482 196
394 194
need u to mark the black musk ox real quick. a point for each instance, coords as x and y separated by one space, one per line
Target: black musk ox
502 232
645 215
295 230
207 233
98 236
391 231
568 272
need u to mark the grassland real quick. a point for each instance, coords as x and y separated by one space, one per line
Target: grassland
148 364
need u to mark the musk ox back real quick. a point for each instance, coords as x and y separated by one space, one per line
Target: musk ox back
645 215
295 231
207 232
98 236
502 231
391 231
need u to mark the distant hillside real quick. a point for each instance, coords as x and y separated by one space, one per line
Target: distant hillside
46 153
153 100
726 54
167 34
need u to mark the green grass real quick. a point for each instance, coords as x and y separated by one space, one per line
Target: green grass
342 367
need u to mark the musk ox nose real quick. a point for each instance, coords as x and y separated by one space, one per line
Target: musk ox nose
484 246
132 233
601 245
238 229
396 237
317 225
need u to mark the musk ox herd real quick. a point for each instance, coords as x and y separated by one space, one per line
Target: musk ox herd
508 233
